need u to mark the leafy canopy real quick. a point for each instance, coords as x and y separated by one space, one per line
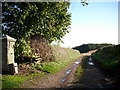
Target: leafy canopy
25 19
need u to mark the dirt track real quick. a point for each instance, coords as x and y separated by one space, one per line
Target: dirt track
92 77
53 80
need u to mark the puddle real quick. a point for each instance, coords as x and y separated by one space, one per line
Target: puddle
91 63
90 59
74 65
68 71
63 80
76 62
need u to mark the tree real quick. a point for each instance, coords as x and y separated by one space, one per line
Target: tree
25 19
84 2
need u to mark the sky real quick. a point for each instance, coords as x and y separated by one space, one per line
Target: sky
94 23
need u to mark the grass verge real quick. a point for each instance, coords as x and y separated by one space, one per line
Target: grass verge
109 57
80 70
14 81
63 57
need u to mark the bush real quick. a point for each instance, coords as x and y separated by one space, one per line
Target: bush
23 49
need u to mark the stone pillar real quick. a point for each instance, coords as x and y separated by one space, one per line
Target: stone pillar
8 55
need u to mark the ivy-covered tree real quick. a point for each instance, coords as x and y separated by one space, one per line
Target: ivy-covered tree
25 19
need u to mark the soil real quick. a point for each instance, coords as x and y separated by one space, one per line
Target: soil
91 78
50 80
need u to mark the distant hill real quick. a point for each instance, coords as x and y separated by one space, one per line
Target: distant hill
87 47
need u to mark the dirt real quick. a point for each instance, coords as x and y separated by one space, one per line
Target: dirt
92 77
58 80
50 80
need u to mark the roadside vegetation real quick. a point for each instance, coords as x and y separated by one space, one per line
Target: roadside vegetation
14 81
80 70
63 57
108 59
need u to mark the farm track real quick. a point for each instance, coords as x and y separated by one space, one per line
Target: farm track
91 78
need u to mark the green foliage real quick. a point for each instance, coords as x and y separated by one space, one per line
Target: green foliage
25 19
108 57
37 66
87 47
11 81
53 67
60 62
80 69
23 49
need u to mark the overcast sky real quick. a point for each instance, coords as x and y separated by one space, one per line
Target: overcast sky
95 23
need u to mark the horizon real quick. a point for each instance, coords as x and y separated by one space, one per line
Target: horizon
94 23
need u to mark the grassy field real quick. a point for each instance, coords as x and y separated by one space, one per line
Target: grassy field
63 57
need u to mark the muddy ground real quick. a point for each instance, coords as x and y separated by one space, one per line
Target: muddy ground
92 77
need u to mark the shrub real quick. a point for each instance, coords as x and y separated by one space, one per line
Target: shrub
23 49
